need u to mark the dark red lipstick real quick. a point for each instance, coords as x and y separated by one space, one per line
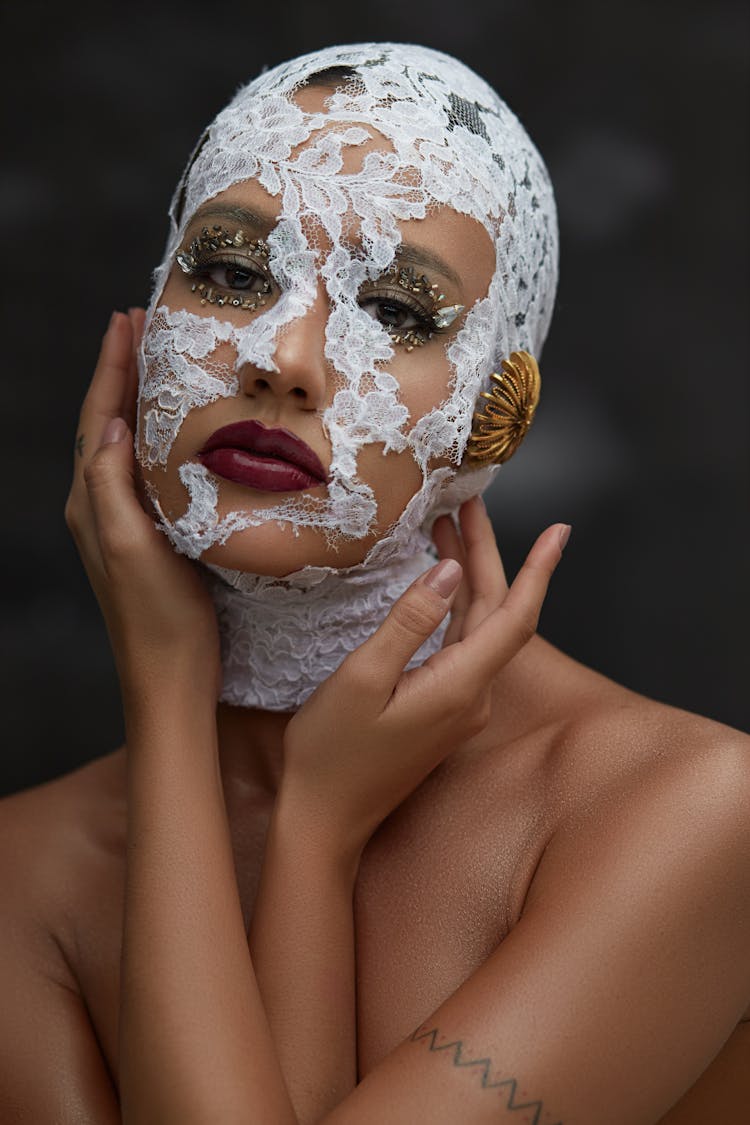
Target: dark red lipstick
269 460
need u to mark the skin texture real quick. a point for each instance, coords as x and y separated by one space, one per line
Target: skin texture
548 873
581 785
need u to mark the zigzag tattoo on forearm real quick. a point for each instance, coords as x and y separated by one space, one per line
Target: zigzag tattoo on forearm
508 1087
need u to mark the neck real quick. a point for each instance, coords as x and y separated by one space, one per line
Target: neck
251 750
281 638
539 687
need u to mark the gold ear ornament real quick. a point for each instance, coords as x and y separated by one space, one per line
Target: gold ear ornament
509 406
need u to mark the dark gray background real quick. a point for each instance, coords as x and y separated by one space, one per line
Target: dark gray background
641 440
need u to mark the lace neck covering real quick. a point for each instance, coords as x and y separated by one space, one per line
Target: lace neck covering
281 639
448 141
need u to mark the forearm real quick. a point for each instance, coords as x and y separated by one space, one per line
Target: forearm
302 944
195 1046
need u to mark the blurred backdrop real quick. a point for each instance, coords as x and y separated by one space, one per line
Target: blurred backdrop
641 439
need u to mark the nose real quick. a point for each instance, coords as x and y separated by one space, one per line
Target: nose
302 372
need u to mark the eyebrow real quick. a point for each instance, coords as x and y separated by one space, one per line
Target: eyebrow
406 253
258 220
418 256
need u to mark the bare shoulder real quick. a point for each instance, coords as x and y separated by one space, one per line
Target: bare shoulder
63 825
623 742
568 745
57 842
644 789
608 770
62 847
616 770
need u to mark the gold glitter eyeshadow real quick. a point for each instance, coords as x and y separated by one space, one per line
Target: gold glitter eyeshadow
406 278
197 258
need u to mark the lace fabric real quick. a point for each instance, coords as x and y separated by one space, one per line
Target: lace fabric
291 635
448 140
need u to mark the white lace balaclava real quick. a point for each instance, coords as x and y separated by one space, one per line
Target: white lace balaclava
451 143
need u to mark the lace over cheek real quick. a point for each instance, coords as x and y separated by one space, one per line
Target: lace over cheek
449 141
181 374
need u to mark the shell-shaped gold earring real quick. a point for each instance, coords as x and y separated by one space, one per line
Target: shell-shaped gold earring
509 407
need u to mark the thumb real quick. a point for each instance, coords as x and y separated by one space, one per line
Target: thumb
412 619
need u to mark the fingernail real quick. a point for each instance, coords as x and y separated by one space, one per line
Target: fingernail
112 320
481 504
444 578
565 531
114 431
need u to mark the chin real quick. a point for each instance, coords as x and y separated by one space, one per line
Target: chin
278 549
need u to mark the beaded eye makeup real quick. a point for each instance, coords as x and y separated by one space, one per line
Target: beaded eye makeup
397 297
414 295
206 256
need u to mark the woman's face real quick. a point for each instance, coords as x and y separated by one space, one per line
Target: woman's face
454 252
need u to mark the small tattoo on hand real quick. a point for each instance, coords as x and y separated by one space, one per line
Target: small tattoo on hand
79 445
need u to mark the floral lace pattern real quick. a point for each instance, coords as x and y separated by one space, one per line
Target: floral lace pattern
290 635
448 140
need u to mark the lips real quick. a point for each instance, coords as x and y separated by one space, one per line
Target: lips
269 460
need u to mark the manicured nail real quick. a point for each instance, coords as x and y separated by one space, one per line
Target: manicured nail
565 531
114 431
444 578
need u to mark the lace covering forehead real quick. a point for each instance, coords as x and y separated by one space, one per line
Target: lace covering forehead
453 142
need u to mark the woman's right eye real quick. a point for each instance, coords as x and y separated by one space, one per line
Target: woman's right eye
220 275
235 276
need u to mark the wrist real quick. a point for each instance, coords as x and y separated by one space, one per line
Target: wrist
181 705
312 833
178 679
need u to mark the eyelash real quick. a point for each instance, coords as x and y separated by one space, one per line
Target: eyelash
417 334
198 266
196 263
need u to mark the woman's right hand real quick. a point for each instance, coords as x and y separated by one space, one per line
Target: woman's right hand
159 615
371 733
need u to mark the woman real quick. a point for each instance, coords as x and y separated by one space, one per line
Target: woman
538 876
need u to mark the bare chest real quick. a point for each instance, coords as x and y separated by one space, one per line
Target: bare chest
438 888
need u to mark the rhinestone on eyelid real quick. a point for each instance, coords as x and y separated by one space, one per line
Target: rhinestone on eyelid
186 261
208 297
407 278
411 339
443 318
216 239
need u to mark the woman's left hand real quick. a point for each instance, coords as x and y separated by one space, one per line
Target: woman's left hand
372 732
158 613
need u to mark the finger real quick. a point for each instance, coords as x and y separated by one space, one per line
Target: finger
449 546
101 405
377 665
486 576
80 513
105 398
118 519
137 318
497 639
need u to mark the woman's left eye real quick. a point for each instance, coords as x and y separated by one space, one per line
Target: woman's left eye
405 321
392 314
